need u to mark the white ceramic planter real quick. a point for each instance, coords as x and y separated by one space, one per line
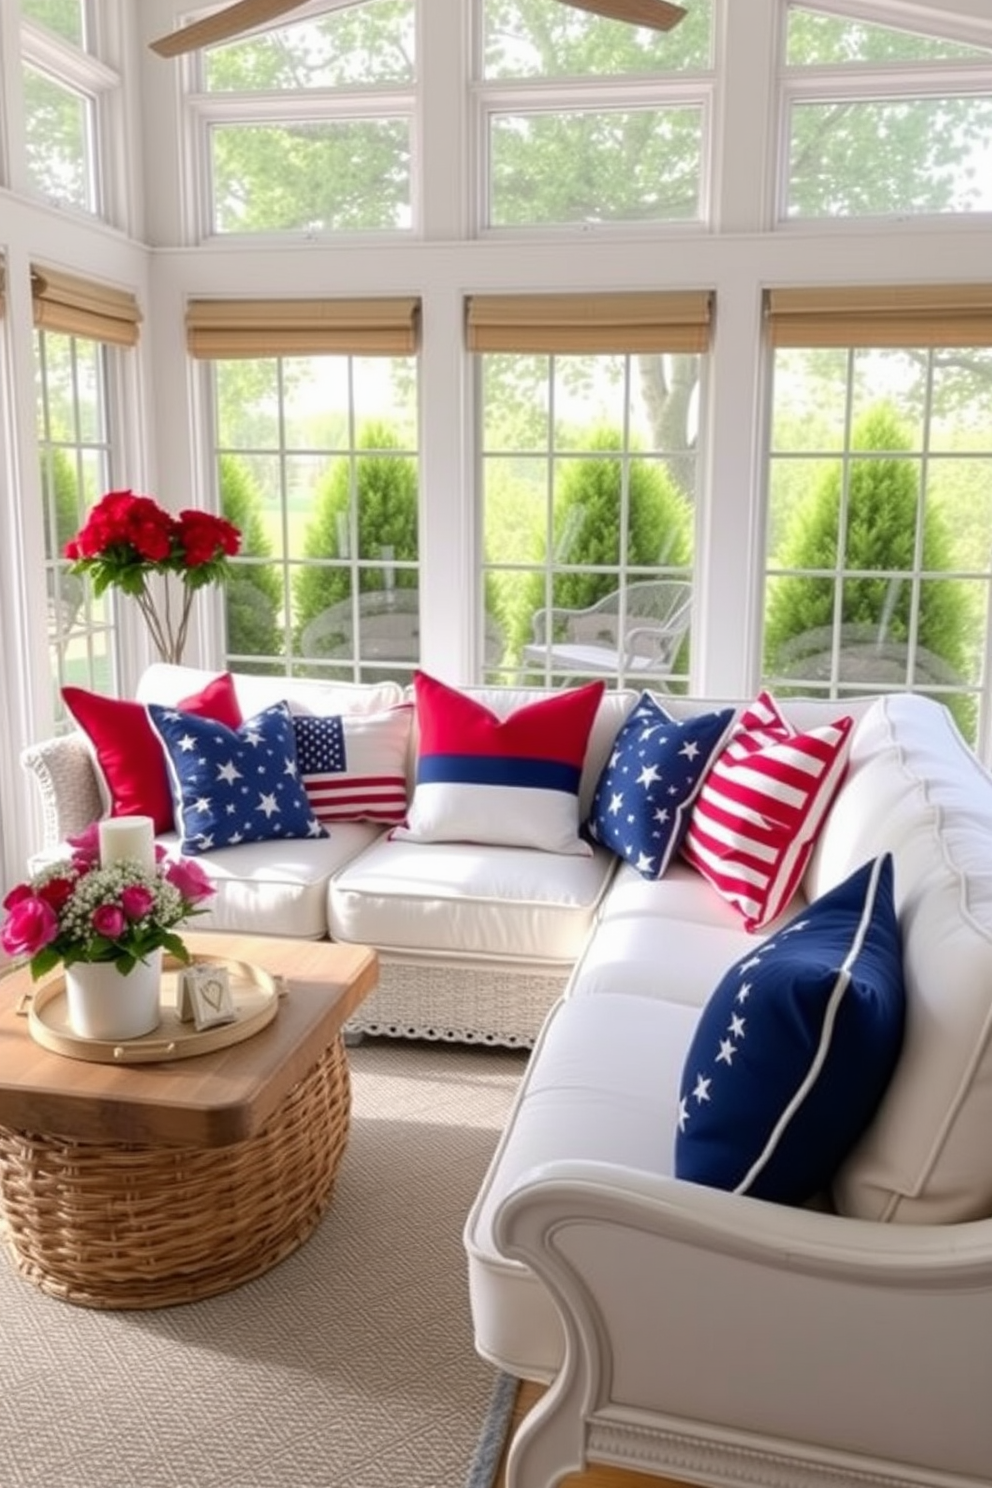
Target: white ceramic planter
103 1004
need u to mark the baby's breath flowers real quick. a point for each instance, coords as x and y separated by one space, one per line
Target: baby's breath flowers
76 910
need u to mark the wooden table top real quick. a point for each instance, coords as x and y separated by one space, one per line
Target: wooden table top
208 1100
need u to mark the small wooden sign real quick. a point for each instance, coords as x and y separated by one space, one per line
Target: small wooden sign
204 996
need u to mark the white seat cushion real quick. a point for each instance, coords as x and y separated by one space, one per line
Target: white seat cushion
520 904
602 1085
671 938
276 888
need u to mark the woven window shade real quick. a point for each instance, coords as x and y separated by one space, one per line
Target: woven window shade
882 315
675 321
79 307
252 328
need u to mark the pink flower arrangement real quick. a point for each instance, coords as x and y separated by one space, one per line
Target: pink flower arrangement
76 910
128 538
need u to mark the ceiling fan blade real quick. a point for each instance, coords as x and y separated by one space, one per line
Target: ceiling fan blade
657 14
222 26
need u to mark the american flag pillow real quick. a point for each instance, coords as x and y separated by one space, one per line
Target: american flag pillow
353 765
755 821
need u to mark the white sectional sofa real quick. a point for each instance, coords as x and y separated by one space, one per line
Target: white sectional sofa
684 1330
719 1338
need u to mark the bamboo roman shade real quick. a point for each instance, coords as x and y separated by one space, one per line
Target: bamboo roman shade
80 307
588 323
252 328
882 315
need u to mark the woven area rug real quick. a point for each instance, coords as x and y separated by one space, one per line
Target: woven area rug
350 1365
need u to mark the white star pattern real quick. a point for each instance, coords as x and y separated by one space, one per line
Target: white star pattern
701 1089
235 785
644 795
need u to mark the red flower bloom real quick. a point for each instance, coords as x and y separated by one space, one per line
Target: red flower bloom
56 892
126 538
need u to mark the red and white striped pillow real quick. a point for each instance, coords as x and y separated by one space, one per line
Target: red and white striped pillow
756 818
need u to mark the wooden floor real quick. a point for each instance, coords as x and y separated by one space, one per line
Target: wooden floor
595 1476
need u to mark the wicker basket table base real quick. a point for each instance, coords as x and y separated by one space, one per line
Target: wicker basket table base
116 1225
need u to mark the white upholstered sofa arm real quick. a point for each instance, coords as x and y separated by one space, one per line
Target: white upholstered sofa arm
806 1328
64 772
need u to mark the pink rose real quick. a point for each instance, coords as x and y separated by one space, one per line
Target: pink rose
86 844
17 894
190 879
108 920
30 926
136 901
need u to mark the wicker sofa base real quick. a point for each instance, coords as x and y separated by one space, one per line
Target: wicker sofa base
133 1226
459 1001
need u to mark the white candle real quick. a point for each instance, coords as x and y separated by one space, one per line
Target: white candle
128 837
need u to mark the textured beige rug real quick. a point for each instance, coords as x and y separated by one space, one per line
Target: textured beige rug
350 1365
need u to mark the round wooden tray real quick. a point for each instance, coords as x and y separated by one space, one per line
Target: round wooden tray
255 994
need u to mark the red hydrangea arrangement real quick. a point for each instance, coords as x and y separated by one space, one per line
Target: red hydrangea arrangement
78 910
128 538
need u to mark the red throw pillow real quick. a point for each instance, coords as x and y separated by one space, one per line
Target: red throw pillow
756 819
129 752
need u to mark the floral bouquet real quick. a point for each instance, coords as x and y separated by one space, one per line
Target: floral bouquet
127 538
77 910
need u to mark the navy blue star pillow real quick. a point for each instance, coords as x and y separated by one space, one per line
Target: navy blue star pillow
643 799
234 785
796 1046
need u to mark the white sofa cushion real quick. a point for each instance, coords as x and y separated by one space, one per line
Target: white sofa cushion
601 1085
164 683
915 789
449 899
670 939
276 888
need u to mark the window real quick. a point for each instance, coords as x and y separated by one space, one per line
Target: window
74 450
589 121
67 89
308 125
881 122
79 326
589 476
880 494
315 413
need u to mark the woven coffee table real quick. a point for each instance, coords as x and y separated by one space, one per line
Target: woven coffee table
152 1184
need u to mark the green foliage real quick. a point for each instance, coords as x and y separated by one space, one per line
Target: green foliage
586 530
316 175
386 519
61 496
254 594
881 535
